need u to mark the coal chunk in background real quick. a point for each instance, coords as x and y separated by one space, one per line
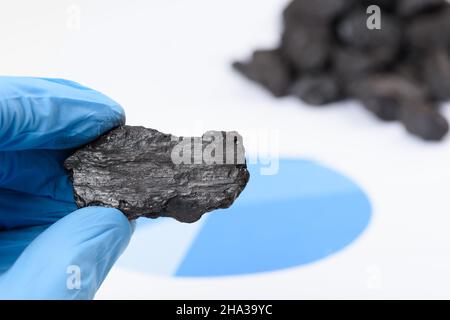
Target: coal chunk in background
353 31
379 97
437 74
132 169
349 63
388 5
317 89
269 69
307 47
425 122
429 30
411 7
317 10
400 72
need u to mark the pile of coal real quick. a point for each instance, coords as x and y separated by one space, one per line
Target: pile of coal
328 52
144 172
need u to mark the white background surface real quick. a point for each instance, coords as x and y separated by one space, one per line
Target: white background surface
168 63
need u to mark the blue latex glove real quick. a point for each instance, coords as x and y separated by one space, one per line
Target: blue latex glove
48 248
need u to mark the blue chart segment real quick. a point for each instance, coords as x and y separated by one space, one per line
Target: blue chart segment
302 214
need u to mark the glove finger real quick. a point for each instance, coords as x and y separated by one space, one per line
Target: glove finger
37 113
70 259
37 172
20 210
13 242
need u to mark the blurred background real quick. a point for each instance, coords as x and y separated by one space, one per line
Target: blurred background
168 63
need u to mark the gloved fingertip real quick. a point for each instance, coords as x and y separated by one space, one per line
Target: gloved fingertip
119 113
105 218
71 258
115 118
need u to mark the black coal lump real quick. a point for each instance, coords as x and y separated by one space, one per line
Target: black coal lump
353 31
134 170
411 7
437 74
317 10
268 68
400 72
306 47
387 5
430 30
350 63
318 89
424 121
386 94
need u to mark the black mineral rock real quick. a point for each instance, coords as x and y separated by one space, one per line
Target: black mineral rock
317 89
387 94
328 51
436 72
306 47
353 31
269 69
321 10
146 173
411 7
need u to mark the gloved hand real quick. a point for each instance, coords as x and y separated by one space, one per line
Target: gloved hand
48 248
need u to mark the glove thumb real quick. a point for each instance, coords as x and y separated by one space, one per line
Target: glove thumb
71 258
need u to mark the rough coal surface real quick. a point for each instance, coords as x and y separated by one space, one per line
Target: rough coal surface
327 53
132 169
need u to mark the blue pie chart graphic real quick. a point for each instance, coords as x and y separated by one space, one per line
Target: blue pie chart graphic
302 214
